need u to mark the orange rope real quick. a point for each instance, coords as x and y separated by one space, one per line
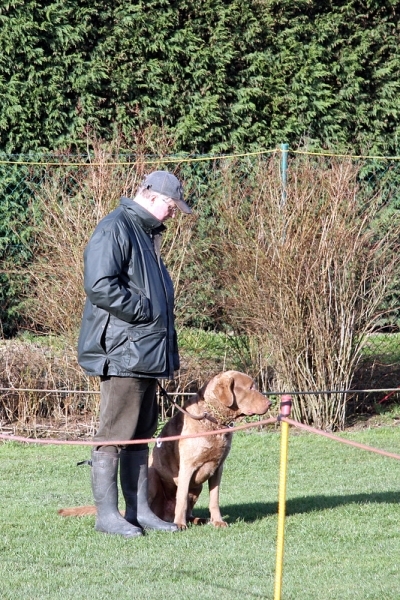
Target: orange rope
338 439
15 438
271 420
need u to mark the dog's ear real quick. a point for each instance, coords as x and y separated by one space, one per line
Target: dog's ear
224 391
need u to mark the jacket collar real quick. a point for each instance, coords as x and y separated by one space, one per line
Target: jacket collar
142 216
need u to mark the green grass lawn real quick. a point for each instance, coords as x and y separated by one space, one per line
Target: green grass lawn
384 345
342 529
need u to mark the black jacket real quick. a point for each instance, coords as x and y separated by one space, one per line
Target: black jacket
128 322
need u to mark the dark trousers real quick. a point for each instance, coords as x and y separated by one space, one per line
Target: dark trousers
128 410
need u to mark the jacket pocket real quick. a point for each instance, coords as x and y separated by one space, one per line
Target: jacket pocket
146 351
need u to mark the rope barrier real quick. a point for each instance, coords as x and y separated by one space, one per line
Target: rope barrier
53 391
49 441
144 162
204 158
336 438
285 422
271 420
365 157
286 407
388 396
283 419
270 393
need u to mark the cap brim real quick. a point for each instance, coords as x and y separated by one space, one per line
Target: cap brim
181 204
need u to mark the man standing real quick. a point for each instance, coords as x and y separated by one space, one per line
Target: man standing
128 339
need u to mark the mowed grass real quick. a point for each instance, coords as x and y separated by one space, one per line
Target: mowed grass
342 532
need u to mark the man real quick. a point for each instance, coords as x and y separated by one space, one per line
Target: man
128 339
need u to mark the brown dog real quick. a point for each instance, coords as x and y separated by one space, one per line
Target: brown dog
178 469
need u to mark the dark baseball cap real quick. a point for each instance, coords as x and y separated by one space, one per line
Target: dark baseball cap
167 184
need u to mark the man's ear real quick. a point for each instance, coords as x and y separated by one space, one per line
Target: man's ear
224 391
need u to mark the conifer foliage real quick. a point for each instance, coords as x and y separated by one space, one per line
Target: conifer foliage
219 75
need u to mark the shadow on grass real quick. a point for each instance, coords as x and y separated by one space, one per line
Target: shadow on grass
249 513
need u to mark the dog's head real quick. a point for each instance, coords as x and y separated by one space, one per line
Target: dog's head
237 392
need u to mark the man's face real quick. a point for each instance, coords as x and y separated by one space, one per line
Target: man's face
163 208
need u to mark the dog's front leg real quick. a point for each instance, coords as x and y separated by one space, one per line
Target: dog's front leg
213 486
182 492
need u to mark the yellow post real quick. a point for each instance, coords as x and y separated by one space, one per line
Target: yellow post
286 405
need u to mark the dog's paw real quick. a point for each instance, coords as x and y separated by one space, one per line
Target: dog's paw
219 523
181 526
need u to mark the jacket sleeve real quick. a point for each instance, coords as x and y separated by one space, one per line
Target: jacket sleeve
106 283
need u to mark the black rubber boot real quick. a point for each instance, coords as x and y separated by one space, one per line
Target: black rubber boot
105 493
134 484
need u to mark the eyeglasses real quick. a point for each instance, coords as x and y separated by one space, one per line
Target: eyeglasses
171 203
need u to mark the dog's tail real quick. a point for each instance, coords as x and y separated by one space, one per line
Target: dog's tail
80 511
77 511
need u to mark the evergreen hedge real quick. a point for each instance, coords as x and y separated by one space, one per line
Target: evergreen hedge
198 77
217 75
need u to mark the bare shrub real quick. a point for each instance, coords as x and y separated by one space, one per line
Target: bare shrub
301 277
305 275
178 251
72 197
39 396
69 203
